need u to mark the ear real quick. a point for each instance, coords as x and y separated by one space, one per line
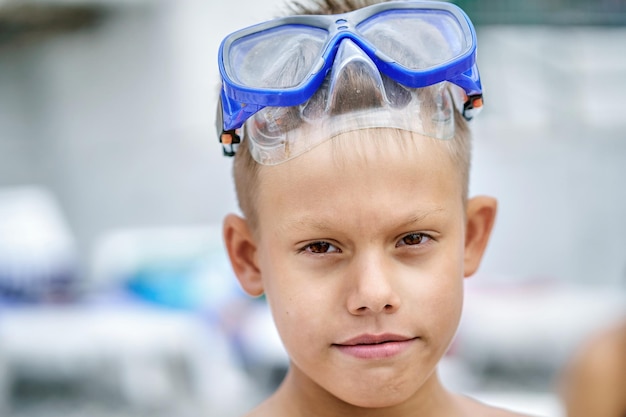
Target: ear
481 215
242 251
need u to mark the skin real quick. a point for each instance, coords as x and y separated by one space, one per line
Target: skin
594 383
369 242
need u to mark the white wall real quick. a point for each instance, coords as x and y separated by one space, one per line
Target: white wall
551 145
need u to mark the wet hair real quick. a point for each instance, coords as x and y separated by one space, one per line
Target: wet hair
246 170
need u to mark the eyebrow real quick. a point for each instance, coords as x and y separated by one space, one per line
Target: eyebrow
307 222
420 216
312 223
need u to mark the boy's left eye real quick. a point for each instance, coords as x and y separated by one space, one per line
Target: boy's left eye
414 239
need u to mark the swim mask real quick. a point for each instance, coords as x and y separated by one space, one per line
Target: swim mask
295 82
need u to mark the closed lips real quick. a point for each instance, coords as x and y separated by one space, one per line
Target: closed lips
368 339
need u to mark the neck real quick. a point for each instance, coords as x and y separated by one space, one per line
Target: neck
300 396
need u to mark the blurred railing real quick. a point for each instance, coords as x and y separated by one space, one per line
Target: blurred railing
550 12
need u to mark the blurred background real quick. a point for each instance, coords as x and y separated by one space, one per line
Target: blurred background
116 298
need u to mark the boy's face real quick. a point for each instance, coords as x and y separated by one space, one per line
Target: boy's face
361 252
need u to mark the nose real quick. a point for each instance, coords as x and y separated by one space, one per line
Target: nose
372 288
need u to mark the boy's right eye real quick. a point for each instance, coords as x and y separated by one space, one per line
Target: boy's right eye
320 247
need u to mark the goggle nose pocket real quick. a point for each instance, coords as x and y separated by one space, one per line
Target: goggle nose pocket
355 81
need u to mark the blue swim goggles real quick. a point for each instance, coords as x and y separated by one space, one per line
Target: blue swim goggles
284 62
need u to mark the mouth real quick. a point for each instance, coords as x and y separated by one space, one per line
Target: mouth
368 346
371 339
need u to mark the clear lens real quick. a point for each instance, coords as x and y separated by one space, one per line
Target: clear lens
354 96
417 39
280 57
429 114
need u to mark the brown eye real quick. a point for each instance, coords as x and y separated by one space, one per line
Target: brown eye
320 247
414 239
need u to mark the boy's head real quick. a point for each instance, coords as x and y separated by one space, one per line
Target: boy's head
354 95
357 224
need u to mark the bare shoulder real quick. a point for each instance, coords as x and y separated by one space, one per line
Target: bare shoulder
604 352
594 381
473 407
599 364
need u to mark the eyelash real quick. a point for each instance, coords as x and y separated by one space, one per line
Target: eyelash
309 246
424 239
420 236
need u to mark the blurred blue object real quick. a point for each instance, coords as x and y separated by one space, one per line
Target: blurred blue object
172 267
38 260
166 283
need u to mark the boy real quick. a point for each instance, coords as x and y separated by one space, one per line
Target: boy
352 177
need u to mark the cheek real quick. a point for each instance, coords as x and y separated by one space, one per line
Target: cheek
296 302
447 313
441 293
446 305
300 323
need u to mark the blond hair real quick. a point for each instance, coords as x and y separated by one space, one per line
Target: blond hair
246 170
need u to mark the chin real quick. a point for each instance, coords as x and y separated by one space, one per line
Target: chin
380 397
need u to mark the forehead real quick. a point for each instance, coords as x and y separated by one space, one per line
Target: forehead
383 172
